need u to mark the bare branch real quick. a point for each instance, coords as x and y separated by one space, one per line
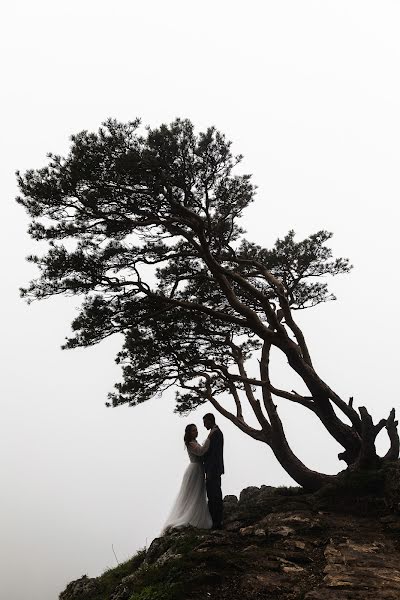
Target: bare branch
306 401
392 431
235 395
285 307
260 435
254 403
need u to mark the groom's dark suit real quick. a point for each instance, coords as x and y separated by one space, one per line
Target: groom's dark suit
214 468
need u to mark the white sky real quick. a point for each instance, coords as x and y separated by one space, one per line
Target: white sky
309 92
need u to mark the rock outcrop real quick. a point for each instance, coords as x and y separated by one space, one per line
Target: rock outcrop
276 543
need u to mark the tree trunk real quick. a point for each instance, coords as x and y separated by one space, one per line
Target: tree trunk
307 478
344 434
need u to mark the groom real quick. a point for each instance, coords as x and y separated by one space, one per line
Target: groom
214 468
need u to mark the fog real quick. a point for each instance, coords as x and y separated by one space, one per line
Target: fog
309 92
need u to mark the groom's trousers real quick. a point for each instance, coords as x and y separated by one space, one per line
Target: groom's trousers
214 495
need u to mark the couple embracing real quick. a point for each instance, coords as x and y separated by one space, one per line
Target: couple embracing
201 481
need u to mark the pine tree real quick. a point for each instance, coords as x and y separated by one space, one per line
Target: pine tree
146 228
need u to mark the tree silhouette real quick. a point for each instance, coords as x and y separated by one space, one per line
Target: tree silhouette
145 227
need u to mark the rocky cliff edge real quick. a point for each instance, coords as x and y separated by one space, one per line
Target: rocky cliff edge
277 544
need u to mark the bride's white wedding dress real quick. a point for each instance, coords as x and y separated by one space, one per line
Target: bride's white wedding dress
190 506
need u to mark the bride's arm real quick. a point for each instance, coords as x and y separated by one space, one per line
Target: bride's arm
197 449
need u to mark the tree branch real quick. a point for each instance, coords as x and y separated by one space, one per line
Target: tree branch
254 403
260 435
392 431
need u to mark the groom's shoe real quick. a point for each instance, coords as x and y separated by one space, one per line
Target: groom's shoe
217 526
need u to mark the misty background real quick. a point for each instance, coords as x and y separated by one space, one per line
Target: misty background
309 92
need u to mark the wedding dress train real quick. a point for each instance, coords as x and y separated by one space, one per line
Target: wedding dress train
190 506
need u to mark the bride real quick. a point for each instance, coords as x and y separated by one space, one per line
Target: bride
190 506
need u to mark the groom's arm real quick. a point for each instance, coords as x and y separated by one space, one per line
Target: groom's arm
199 450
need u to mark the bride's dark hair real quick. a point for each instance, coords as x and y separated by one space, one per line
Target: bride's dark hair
187 437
